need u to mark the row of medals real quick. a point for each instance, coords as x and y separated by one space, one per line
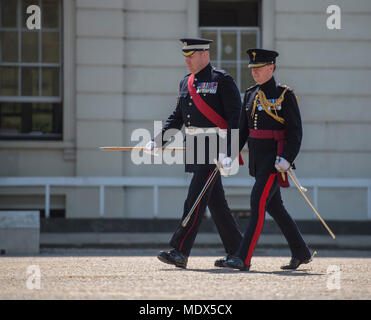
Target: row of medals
260 107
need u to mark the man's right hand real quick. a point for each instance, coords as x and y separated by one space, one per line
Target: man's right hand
282 165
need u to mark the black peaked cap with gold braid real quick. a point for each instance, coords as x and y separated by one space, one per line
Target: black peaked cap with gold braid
190 45
261 57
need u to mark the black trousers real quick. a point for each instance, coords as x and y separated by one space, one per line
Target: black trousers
214 198
266 196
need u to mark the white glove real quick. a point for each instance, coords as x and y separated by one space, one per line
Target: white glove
150 147
227 163
282 165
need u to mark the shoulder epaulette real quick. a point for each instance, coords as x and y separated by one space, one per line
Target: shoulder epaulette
222 72
291 90
284 86
219 70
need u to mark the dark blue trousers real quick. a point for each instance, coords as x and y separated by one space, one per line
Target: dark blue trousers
266 196
214 198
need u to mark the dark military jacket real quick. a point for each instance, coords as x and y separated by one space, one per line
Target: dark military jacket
263 152
218 89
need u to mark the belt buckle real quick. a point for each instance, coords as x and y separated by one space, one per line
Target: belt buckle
191 131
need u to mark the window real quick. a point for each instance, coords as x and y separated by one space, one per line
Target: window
30 71
233 25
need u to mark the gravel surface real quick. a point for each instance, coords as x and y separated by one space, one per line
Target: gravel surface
138 274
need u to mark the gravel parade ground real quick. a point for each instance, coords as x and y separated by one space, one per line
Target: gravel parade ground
138 274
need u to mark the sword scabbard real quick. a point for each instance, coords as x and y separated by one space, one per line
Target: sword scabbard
310 203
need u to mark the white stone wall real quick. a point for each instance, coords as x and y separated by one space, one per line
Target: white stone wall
329 71
99 85
128 67
154 67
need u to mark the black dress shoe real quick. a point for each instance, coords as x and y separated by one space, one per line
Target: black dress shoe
295 263
236 263
173 257
220 262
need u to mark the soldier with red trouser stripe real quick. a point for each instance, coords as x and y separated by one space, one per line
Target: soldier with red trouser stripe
270 123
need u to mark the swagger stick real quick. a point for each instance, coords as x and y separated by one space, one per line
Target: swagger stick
314 209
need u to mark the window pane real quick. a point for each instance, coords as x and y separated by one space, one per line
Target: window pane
50 14
30 81
9 46
212 35
229 45
10 120
25 15
242 13
248 41
50 79
30 45
8 81
32 119
8 13
246 77
50 47
47 118
42 118
15 118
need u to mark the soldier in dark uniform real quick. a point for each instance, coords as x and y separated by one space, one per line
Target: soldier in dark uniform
270 122
208 98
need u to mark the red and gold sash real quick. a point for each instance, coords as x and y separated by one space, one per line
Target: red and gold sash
280 137
207 111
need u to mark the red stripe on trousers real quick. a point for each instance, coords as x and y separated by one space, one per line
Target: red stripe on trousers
261 214
194 220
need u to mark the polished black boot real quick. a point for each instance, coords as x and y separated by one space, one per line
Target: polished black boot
220 262
173 257
295 263
236 263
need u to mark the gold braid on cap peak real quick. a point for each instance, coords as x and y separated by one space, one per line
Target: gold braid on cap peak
188 53
273 106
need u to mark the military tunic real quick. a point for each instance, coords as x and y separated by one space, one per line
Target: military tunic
218 89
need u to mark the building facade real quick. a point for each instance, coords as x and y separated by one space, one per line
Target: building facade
98 70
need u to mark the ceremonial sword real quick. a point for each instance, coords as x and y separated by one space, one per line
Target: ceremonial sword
301 189
203 191
140 148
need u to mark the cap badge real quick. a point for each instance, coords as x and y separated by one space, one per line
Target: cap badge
253 55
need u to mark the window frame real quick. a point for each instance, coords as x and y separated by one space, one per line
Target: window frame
218 61
19 28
